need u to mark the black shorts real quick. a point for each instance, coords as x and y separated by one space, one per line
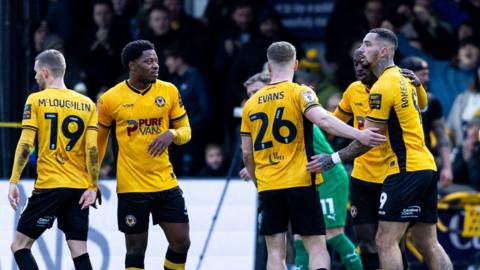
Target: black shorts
134 209
299 206
47 204
364 201
409 197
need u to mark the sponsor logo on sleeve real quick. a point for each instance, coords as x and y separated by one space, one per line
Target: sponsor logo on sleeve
375 101
27 112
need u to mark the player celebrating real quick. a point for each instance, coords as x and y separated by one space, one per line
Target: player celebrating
333 194
369 169
139 111
274 118
409 192
65 124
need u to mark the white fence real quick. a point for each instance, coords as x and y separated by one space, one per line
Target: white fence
232 244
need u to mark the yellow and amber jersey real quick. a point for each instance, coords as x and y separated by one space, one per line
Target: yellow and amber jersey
60 117
282 137
393 101
371 166
136 119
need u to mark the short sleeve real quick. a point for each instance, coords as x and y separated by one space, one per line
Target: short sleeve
29 119
344 110
177 111
307 99
245 128
93 120
104 114
380 102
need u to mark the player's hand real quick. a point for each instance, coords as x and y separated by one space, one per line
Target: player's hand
370 138
407 73
88 198
14 196
446 177
320 163
161 143
245 175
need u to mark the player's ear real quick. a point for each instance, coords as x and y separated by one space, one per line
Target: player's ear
295 66
45 72
269 67
131 65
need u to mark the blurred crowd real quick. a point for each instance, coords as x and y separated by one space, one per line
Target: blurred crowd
209 57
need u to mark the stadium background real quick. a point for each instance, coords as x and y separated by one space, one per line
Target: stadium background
212 46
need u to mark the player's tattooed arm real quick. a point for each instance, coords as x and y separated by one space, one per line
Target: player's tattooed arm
24 147
325 162
93 166
320 163
353 150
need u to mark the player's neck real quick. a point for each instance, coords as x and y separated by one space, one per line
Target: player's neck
56 84
139 86
382 65
281 76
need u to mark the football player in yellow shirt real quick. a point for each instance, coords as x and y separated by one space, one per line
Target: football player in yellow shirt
145 116
409 192
277 143
65 125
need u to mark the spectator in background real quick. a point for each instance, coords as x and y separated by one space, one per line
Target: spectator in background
466 164
74 75
100 50
433 121
193 33
349 23
449 78
39 35
310 73
124 12
214 162
463 109
251 58
421 24
193 89
235 35
142 13
160 34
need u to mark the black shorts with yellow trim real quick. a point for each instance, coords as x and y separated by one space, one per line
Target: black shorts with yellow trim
165 206
47 204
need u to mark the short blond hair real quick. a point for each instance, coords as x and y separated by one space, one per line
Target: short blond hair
259 77
281 53
54 61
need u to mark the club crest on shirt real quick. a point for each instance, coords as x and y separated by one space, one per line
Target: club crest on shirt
160 101
27 112
130 220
